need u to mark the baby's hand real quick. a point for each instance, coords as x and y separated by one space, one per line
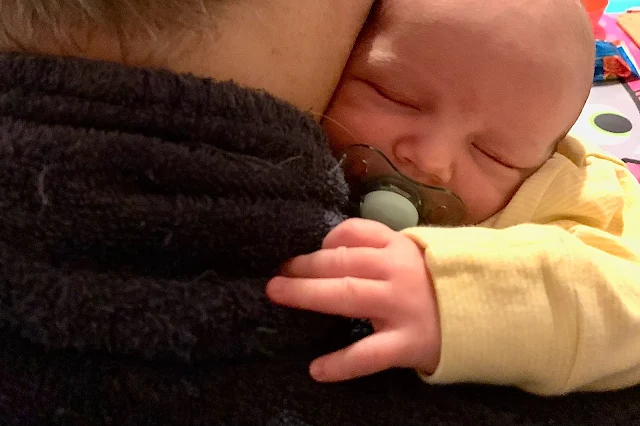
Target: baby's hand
366 270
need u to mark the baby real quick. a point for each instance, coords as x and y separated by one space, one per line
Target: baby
540 291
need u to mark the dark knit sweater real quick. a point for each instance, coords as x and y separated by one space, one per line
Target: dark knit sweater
141 214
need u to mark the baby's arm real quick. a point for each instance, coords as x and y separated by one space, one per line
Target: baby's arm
550 308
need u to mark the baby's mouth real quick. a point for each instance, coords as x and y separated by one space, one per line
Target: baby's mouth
380 192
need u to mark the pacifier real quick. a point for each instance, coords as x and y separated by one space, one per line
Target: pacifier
380 192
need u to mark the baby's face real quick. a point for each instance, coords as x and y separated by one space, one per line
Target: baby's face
454 108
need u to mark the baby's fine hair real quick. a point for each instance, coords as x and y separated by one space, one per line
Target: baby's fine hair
19 19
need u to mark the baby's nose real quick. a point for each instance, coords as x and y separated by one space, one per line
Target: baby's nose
426 162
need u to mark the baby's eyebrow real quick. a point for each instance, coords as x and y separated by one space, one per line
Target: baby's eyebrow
381 53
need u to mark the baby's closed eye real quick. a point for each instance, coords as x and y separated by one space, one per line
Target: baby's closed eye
493 157
393 96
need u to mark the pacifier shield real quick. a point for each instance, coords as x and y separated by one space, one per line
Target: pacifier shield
380 192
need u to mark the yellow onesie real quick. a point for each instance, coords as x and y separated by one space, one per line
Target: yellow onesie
545 295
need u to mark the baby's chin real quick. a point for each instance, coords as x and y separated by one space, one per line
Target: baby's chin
477 218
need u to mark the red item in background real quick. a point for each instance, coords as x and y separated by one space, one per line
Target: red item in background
595 9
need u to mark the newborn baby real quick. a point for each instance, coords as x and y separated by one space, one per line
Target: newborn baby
467 95
541 287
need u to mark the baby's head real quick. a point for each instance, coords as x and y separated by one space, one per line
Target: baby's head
469 95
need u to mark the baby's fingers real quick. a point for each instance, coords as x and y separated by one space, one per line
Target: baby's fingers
359 233
348 297
378 352
360 262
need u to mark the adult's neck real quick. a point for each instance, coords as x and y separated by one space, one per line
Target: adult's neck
294 50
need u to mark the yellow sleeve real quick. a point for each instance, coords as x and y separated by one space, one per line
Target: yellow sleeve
551 305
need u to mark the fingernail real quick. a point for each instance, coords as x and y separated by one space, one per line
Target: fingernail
316 371
274 289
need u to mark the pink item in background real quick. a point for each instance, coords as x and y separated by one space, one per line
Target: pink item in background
634 166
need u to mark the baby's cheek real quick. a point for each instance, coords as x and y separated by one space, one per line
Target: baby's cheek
338 129
347 126
481 198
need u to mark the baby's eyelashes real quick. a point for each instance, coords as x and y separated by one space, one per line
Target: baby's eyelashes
394 97
494 158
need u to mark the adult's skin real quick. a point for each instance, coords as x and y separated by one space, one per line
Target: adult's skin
296 50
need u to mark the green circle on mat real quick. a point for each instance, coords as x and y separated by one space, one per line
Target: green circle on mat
390 208
610 116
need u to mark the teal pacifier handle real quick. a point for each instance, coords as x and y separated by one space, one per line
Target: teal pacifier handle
389 208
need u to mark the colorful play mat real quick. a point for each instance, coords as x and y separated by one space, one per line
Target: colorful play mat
611 118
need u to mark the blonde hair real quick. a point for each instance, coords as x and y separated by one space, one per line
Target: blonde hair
20 19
